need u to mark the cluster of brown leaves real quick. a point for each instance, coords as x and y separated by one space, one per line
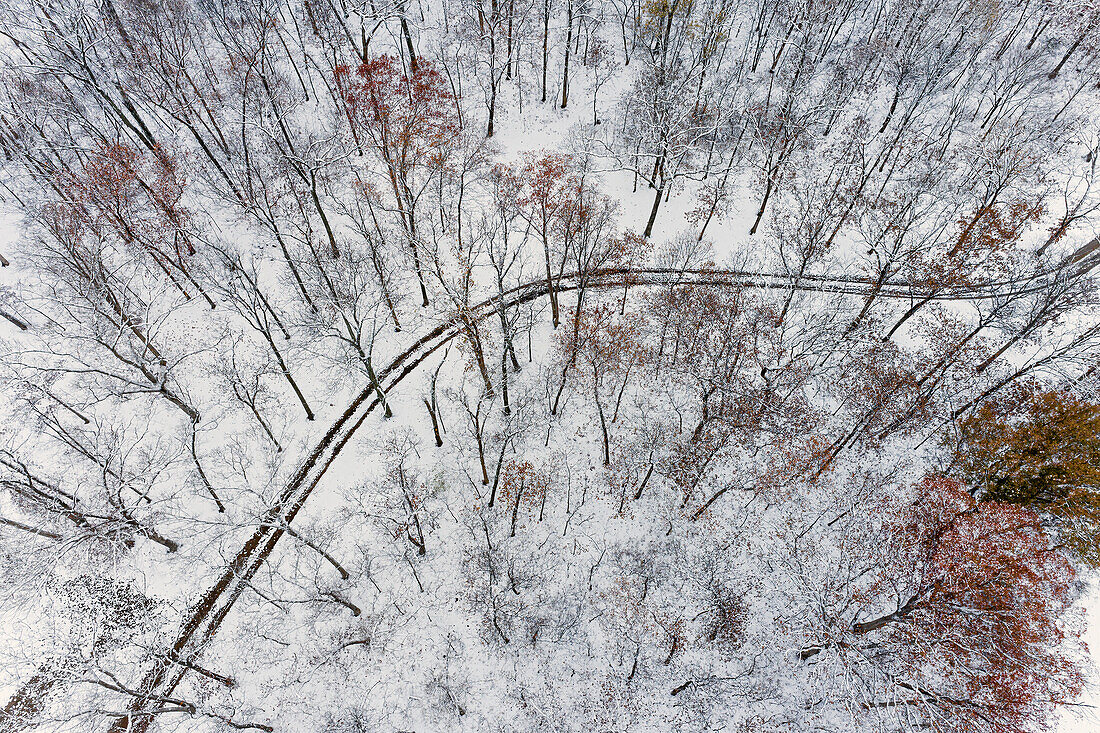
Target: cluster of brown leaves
1041 449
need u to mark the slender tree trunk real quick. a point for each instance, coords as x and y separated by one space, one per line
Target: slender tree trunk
263 423
1065 58
568 45
875 624
285 370
15 320
504 378
378 388
603 423
908 314
763 205
435 423
202 474
515 506
550 280
413 66
653 210
545 44
481 458
334 248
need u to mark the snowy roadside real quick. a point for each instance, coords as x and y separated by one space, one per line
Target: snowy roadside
1085 719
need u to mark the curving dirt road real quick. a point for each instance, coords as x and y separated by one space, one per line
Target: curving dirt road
204 617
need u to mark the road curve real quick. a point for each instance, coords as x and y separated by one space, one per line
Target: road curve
203 618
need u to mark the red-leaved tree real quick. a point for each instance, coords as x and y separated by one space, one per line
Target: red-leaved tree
551 181
981 635
408 121
136 198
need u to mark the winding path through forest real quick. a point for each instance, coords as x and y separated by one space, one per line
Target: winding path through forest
203 619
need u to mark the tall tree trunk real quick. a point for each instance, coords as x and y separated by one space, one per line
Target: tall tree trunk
568 45
653 210
545 43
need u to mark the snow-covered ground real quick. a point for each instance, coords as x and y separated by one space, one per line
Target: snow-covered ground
308 638
1086 719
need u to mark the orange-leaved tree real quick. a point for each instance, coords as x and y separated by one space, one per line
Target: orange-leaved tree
1040 448
980 634
408 122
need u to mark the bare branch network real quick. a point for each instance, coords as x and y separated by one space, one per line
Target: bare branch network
536 365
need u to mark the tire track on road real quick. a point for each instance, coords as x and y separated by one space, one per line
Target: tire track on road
205 617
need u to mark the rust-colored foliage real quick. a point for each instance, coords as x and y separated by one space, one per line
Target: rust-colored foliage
410 118
1039 448
984 631
719 340
712 199
725 345
607 343
634 613
881 387
136 196
792 458
993 228
523 487
984 241
520 479
551 181
609 348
